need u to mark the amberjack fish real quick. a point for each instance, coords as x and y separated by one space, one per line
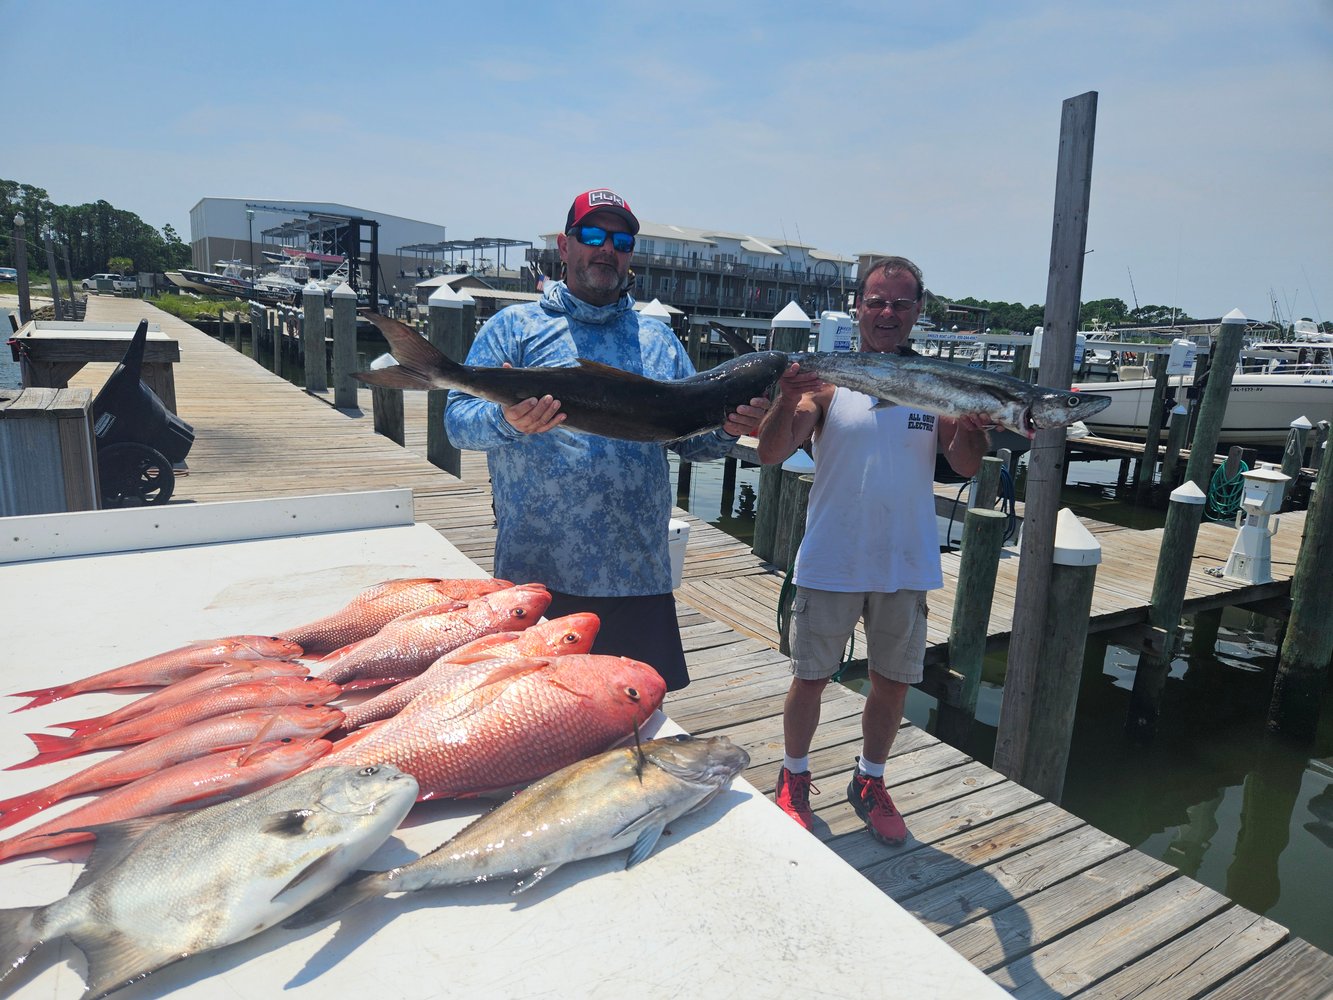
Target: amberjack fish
610 802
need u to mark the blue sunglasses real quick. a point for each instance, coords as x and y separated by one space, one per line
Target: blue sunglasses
595 236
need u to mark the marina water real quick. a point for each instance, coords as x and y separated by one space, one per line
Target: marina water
1241 810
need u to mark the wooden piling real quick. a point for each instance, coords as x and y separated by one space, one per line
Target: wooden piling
1293 456
1168 597
766 511
986 486
1203 638
1156 418
983 541
388 405
344 347
312 339
444 326
791 518
1032 689
1226 352
1175 440
728 500
1303 662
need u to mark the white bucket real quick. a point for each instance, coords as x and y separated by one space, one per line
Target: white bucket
678 536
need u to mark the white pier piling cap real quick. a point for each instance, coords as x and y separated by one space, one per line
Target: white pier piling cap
1302 423
1235 316
464 297
444 297
1188 493
343 291
656 310
1074 544
792 317
311 288
800 463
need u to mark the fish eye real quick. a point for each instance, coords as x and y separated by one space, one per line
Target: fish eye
285 739
570 637
520 613
632 693
1073 401
369 770
311 705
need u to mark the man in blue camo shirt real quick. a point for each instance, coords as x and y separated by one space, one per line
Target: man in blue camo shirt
587 515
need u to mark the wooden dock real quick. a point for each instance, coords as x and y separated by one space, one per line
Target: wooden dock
1040 901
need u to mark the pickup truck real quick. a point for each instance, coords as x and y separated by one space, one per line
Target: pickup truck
119 283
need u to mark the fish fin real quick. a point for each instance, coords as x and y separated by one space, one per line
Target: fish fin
261 737
419 362
883 404
533 878
645 844
22 806
115 959
359 887
737 343
49 749
114 841
43 696
366 683
18 937
430 611
314 868
290 823
396 377
610 371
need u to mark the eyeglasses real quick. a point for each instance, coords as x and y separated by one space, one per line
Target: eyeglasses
595 236
897 305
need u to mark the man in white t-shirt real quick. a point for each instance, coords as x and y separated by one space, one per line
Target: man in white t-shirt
870 548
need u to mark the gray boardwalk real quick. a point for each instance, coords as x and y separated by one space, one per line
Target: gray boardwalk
1040 901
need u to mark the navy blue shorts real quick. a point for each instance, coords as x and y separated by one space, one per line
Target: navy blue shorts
642 628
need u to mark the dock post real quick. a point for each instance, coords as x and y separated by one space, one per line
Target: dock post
983 540
1293 455
1212 408
444 327
469 322
20 245
1033 690
312 339
1175 440
1053 694
1303 662
791 517
684 473
986 486
1203 639
728 499
1156 418
344 347
766 511
1168 597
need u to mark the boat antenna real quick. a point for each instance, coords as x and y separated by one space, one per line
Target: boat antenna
1131 288
1317 315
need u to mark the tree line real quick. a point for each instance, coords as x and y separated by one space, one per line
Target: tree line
1017 317
97 234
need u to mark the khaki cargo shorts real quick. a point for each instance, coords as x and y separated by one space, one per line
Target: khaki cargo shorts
895 625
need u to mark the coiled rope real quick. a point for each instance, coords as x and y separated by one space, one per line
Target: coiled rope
1224 494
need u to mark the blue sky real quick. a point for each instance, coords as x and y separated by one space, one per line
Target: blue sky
929 130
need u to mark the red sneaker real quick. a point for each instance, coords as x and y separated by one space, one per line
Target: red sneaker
793 796
871 801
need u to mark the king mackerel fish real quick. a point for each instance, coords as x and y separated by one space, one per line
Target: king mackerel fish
595 398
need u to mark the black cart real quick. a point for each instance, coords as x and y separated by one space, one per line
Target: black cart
138 438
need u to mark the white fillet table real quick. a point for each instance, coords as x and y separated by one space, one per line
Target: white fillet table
735 901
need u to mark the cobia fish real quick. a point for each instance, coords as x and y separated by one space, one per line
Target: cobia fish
559 637
610 802
187 785
168 667
158 890
232 731
497 726
376 606
412 642
271 692
594 397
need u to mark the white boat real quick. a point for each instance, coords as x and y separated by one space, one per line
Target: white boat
1265 399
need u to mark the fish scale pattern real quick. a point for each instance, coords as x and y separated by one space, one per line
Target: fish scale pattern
497 727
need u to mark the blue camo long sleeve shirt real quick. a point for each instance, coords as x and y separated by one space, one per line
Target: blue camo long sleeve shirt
580 513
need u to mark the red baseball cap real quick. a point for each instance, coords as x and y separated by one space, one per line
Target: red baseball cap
600 200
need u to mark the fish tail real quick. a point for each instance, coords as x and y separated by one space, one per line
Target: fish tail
357 889
50 749
19 937
22 806
420 364
81 726
44 696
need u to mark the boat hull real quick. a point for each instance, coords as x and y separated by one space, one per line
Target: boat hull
1259 413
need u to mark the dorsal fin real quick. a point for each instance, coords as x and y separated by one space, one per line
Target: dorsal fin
597 368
